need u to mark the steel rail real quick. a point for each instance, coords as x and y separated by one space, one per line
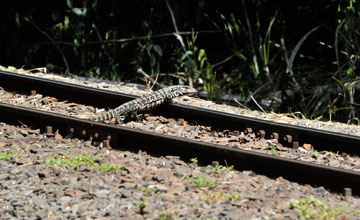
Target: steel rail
121 137
290 135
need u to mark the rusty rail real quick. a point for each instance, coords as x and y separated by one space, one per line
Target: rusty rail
120 137
288 135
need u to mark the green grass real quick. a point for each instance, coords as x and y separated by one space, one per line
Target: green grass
316 209
81 160
200 182
217 196
220 167
141 205
149 191
194 160
235 197
109 168
272 151
8 155
162 217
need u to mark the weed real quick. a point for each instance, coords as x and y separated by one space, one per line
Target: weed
109 168
315 209
75 162
141 206
235 196
272 150
217 196
220 167
8 155
162 217
200 182
80 160
316 153
149 191
11 69
194 160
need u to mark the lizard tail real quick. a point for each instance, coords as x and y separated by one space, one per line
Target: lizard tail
104 116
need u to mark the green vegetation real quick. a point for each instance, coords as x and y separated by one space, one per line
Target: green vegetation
141 205
217 196
69 152
235 196
8 155
272 150
164 217
220 167
281 53
316 209
149 191
109 168
200 182
82 160
316 153
194 160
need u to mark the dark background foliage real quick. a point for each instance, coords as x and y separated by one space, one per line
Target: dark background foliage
290 56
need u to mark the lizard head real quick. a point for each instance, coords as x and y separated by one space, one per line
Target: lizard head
187 90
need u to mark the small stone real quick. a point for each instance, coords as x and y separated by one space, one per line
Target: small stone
158 178
33 151
45 101
41 214
127 185
18 202
43 174
64 199
56 170
70 193
24 132
57 136
125 194
102 193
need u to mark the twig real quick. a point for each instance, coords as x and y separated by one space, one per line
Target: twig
223 61
179 38
137 38
67 71
256 91
175 27
355 104
235 100
141 71
257 104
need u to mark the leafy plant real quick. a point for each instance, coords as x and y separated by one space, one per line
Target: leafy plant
194 160
75 162
272 150
220 167
141 206
82 160
200 182
109 168
235 196
149 54
8 155
149 191
315 209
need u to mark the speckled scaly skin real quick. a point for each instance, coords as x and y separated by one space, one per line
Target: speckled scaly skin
145 102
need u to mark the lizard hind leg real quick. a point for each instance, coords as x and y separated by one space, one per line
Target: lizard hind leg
169 100
118 120
131 117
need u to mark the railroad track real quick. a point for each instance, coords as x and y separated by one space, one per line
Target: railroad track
288 135
118 136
